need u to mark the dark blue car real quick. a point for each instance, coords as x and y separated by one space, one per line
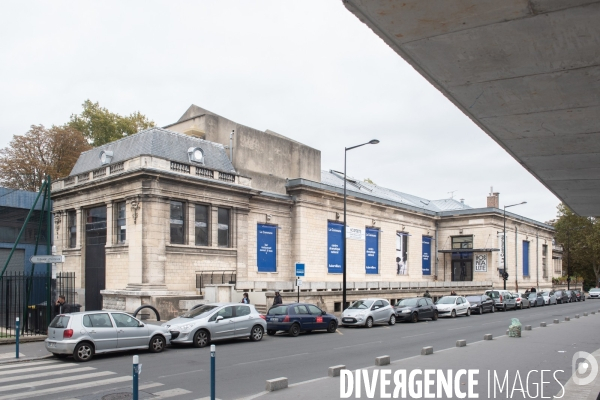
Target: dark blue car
296 317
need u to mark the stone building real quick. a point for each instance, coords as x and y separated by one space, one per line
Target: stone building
209 208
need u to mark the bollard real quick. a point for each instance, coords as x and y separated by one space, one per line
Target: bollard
488 336
527 327
212 372
136 361
576 315
425 351
567 318
585 314
461 343
593 312
17 332
543 324
335 370
507 332
556 321
383 360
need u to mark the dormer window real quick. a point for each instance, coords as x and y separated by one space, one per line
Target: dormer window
106 157
196 155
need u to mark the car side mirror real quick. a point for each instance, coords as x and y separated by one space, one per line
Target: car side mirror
141 325
218 318
323 313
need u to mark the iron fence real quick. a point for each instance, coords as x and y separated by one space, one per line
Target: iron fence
25 295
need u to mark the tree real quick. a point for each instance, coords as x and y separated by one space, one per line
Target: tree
40 152
100 126
580 237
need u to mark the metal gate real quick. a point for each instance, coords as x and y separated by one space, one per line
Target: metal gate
95 257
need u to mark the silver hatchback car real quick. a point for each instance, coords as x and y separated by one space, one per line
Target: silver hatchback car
84 334
217 321
367 312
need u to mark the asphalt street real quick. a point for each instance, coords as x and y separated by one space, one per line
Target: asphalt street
244 366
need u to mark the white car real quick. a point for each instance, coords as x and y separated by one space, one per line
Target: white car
451 306
549 298
594 293
367 312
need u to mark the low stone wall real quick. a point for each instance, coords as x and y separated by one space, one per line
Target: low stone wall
168 304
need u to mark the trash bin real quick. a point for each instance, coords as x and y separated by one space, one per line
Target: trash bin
36 318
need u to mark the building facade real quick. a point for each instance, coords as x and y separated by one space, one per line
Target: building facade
160 216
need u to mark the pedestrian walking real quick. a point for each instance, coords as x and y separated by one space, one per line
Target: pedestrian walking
277 299
245 298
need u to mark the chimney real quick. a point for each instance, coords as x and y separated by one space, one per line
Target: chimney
493 200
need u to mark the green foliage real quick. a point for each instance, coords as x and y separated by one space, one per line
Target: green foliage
368 180
100 126
580 237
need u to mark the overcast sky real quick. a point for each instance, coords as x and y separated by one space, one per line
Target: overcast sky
306 69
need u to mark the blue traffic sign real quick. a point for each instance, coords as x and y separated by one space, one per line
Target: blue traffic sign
299 269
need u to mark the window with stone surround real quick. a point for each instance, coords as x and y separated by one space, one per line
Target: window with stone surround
121 224
177 222
223 227
201 224
72 228
462 242
544 261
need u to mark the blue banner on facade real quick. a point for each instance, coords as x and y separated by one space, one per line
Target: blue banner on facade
426 265
335 246
372 251
266 248
525 258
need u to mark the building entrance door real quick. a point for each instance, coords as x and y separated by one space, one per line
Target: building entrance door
95 257
462 270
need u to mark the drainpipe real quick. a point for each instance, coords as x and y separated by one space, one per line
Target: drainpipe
537 260
516 259
231 145
436 250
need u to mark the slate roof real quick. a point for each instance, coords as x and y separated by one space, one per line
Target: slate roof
157 142
336 179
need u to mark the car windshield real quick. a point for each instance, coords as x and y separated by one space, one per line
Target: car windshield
361 305
532 296
199 312
473 299
595 290
446 300
277 310
408 303
493 295
60 321
545 294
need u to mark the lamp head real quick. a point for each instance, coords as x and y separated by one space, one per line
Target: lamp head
374 141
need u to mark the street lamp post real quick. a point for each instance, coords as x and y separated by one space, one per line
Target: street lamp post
504 240
374 141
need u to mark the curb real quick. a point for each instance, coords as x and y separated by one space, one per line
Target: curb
23 339
22 360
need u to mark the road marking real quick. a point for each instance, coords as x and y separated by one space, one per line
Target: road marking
421 334
170 393
462 327
56 380
308 381
495 322
29 364
18 370
77 386
149 385
338 331
270 359
356 345
181 373
41 375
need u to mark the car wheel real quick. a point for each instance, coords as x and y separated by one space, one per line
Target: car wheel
83 352
392 320
414 318
369 323
435 316
480 311
201 338
332 327
453 314
494 308
157 344
504 308
256 333
60 355
294 330
468 312
521 306
271 332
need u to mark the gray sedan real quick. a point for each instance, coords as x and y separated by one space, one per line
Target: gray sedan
367 312
217 321
84 334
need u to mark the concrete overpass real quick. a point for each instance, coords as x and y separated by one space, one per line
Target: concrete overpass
526 72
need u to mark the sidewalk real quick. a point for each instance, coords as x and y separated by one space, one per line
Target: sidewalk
31 350
550 349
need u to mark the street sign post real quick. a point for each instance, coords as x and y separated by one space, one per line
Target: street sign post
299 269
47 259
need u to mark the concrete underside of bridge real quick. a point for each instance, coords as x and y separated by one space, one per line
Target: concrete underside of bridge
526 72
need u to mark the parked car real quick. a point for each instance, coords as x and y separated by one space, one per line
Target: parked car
367 312
85 334
579 295
572 296
561 296
481 303
503 300
522 301
415 309
594 293
549 298
452 306
217 321
536 299
296 317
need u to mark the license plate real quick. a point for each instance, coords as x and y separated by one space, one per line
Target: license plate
274 319
347 319
51 344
